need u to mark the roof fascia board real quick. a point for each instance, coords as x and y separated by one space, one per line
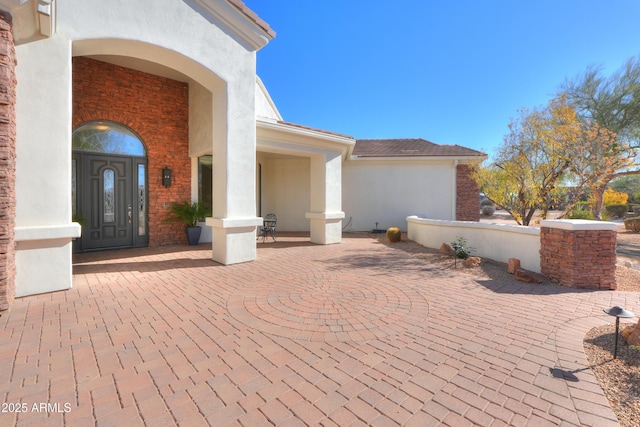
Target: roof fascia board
32 19
274 137
460 159
235 21
310 134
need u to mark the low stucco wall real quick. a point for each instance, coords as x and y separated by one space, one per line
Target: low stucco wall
494 241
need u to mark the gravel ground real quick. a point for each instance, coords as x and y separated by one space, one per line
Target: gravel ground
619 378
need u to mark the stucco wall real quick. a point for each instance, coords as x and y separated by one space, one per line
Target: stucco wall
171 33
388 191
494 241
200 125
265 107
285 191
157 109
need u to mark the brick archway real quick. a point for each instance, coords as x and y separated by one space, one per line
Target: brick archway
157 109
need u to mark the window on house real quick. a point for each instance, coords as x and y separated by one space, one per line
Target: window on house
108 138
205 180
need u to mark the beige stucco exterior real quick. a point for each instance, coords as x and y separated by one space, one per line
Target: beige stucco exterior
210 44
261 164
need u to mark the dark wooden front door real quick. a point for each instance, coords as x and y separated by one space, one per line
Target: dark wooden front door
108 200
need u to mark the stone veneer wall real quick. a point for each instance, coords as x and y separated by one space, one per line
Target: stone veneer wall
467 195
157 109
7 162
578 258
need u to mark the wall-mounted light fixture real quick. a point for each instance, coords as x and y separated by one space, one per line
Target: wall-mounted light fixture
166 177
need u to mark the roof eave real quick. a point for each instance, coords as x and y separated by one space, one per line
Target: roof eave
461 159
254 32
309 137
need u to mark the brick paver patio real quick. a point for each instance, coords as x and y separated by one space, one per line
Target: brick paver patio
352 334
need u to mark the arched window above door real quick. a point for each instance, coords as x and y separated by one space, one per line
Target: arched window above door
108 138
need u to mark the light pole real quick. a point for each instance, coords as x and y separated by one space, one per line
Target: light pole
618 312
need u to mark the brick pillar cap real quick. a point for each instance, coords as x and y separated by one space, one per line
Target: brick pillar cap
578 224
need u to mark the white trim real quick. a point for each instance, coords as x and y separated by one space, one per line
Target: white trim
236 21
302 131
234 222
47 232
578 224
324 215
460 159
284 138
47 17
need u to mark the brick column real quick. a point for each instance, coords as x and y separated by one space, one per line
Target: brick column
579 253
7 162
467 195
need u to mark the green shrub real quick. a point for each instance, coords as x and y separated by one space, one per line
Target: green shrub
579 212
632 224
617 210
461 248
583 205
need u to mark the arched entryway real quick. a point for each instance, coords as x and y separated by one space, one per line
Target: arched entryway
109 186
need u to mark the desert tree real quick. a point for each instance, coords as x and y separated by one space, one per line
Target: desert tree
612 102
523 175
609 109
598 158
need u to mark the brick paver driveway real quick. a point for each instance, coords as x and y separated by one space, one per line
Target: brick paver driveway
352 334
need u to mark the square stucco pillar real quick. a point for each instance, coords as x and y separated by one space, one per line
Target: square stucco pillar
43 228
234 151
326 199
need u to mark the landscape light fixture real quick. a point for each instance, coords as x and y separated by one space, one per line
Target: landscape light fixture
618 312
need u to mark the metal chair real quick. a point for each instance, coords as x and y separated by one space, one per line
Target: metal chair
269 226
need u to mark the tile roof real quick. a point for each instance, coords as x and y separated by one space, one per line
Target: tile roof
408 147
239 4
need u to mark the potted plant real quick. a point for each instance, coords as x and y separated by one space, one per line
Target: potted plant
188 214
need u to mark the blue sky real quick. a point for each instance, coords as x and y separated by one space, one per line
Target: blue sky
452 72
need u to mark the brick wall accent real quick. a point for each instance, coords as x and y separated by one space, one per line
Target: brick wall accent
157 109
579 258
467 195
7 162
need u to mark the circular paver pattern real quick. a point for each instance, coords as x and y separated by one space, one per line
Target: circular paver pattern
330 309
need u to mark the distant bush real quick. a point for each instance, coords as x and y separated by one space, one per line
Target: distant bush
488 210
612 197
632 224
579 212
617 210
486 202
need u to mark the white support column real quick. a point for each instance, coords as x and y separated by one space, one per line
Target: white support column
234 153
326 199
